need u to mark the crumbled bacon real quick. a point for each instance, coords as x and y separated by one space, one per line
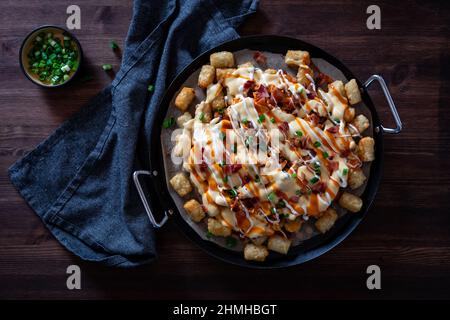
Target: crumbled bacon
314 118
248 84
332 166
231 168
284 127
311 94
260 58
333 129
319 187
294 198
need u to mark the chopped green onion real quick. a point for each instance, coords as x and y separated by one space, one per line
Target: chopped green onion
225 179
325 155
272 120
113 45
271 196
209 235
222 135
261 118
317 144
107 67
345 171
294 175
257 178
281 204
66 77
230 242
244 121
298 133
222 163
150 88
167 123
273 210
298 192
201 117
314 180
65 68
221 110
232 193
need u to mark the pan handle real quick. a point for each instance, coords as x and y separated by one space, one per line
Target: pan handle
390 101
136 175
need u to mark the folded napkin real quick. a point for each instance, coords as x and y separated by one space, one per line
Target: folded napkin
79 180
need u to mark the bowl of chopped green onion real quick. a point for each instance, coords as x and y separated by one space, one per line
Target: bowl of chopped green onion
50 56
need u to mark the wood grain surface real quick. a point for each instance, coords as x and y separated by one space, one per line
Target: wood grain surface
406 232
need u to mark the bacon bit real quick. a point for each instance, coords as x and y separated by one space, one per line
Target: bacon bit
319 187
248 84
322 79
260 58
261 93
277 95
332 166
296 142
231 168
284 127
204 209
345 153
314 118
203 166
246 179
311 95
294 198
333 129
354 162
235 205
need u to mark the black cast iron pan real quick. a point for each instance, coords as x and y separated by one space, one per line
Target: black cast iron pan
161 201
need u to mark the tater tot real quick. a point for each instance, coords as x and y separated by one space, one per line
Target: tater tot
366 149
195 210
326 220
184 98
223 59
352 91
181 184
254 252
350 202
206 76
217 228
222 72
356 178
361 123
279 244
349 114
295 58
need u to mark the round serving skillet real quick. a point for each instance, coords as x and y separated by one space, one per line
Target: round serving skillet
161 201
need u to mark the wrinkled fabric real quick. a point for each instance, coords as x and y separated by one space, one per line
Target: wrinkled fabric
79 180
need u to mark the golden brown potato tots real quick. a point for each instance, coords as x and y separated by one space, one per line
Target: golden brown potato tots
352 91
223 59
326 220
184 98
181 184
254 252
206 76
350 202
195 210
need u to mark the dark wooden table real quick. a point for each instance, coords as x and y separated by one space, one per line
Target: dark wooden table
406 233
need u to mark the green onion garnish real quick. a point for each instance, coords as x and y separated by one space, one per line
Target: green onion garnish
298 133
232 193
272 120
298 192
271 196
281 204
150 88
314 180
209 235
261 118
273 210
244 121
294 175
317 144
167 123
225 179
222 135
202 116
113 45
230 242
325 155
257 178
345 171
107 67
